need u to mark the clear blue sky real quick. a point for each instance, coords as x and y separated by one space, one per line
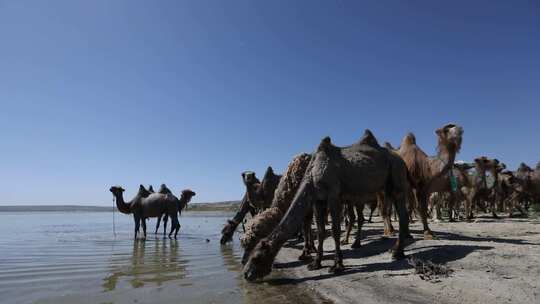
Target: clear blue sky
191 93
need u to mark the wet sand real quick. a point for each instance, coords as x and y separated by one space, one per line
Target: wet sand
494 261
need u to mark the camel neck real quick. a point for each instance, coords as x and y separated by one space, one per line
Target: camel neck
446 154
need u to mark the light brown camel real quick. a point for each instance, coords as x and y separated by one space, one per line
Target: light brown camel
262 224
258 197
481 191
431 174
334 174
153 205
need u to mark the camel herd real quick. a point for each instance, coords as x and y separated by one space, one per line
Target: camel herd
339 181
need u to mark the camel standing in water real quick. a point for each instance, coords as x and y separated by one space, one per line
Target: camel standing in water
432 174
185 198
258 197
335 174
145 205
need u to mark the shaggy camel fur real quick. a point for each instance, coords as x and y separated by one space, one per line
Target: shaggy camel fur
432 174
258 196
335 174
263 224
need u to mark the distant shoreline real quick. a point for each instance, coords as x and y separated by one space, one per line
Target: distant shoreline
217 206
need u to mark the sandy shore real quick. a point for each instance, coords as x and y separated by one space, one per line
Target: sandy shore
493 261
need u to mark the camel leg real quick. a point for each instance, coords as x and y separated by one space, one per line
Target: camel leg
372 207
494 202
157 224
176 225
451 206
165 219
385 213
336 212
351 216
358 236
144 227
320 217
411 205
137 224
423 202
399 204
308 239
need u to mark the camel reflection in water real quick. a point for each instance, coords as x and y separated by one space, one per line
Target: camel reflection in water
152 262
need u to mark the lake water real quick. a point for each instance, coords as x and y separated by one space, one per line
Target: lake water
73 257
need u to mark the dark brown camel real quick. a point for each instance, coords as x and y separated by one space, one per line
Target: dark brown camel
185 198
258 197
333 174
431 174
153 205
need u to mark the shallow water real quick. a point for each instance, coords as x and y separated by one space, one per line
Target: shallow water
66 257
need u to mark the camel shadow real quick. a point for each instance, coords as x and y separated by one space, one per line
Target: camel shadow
440 254
458 237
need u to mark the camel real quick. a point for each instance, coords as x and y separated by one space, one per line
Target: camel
262 224
145 205
258 197
432 174
464 186
335 174
481 192
185 197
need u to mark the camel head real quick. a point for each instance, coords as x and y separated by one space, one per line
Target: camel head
523 168
186 195
249 178
463 166
260 261
482 163
117 190
450 137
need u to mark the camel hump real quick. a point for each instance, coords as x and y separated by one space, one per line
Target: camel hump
409 139
369 139
142 191
325 145
388 146
164 190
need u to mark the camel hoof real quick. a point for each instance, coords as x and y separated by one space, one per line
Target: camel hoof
356 244
398 255
314 265
305 257
428 235
338 268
